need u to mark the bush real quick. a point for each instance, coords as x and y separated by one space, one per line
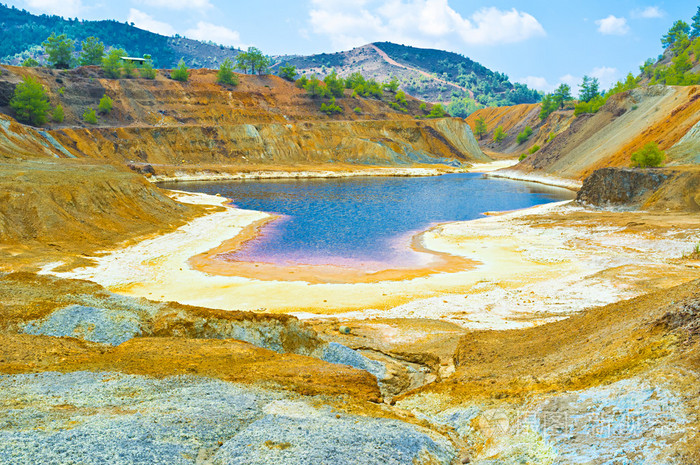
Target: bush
105 105
438 111
499 134
522 156
111 64
400 98
591 106
301 82
423 106
288 72
57 114
331 107
225 74
30 63
90 116
357 110
534 149
524 135
180 73
128 68
649 156
30 102
147 71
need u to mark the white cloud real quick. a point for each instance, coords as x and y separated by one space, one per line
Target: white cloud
612 25
606 75
537 82
219 34
648 12
418 22
179 4
66 8
145 21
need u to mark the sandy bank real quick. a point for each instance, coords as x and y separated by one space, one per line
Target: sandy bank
536 265
541 178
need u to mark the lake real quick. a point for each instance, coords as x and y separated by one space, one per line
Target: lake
364 222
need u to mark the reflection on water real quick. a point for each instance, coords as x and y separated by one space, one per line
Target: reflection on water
365 222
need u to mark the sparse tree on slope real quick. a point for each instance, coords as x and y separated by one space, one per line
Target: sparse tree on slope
254 60
112 63
225 74
59 50
480 128
288 72
695 25
673 34
590 88
92 53
30 102
180 73
562 94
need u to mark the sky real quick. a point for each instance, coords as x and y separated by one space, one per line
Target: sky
541 43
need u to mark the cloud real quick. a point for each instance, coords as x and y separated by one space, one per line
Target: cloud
145 21
219 34
648 12
612 25
180 4
66 8
537 82
606 75
429 23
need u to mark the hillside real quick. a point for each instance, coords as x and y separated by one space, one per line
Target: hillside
427 74
21 35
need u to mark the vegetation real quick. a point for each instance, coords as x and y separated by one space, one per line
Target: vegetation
331 107
392 86
590 88
549 105
480 128
400 98
463 107
253 60
225 74
112 63
59 50
649 156
522 156
128 68
105 105
334 85
533 149
30 63
437 111
146 71
180 73
93 51
562 94
89 116
315 88
524 135
357 110
499 134
30 102
288 72
591 106
57 114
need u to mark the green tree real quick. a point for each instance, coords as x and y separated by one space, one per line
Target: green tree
315 88
437 111
225 74
524 135
147 71
480 128
59 50
105 105
30 63
92 51
331 107
254 60
180 73
673 34
128 68
334 85
57 114
393 85
112 63
499 134
562 94
649 156
89 116
682 63
589 89
288 72
548 106
695 25
400 98
30 102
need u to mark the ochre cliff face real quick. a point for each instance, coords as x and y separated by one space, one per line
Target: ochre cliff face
263 122
580 145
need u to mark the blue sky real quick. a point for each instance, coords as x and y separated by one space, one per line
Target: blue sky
541 43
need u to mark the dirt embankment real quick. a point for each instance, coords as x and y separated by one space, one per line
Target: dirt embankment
574 147
263 123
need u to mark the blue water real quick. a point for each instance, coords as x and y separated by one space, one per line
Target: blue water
365 222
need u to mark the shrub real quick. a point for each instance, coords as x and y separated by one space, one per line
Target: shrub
522 156
524 135
90 116
301 82
649 156
357 110
423 106
105 105
30 63
111 64
180 73
438 111
57 114
225 74
400 98
534 149
147 71
288 72
480 128
128 68
591 106
30 102
331 107
499 134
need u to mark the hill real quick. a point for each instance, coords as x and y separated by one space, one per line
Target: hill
21 35
427 74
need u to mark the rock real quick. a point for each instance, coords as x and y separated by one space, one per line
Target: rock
338 353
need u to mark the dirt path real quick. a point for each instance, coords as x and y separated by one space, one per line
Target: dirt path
393 62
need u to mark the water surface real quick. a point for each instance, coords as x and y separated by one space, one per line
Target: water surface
365 222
